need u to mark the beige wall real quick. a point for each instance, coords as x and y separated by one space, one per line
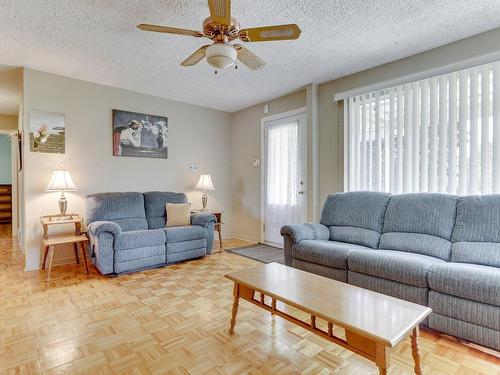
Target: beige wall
196 135
8 122
246 146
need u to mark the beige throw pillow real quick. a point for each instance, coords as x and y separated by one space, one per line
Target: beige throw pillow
178 214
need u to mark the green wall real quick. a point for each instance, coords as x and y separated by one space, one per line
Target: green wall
5 160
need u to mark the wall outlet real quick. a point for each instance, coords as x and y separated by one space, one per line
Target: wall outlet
193 168
256 163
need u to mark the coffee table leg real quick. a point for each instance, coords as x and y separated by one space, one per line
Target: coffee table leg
415 352
381 358
236 301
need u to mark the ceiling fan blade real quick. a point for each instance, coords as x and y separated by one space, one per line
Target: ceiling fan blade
220 11
196 57
249 59
270 33
169 30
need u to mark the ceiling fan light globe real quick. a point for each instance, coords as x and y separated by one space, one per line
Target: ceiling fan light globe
221 55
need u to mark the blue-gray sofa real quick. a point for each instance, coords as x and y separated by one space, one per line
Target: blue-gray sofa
437 250
127 231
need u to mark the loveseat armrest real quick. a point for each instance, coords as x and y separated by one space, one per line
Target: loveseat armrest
308 231
102 235
203 219
97 227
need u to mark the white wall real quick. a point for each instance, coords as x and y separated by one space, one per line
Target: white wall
196 135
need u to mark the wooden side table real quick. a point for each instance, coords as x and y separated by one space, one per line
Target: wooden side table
49 243
48 220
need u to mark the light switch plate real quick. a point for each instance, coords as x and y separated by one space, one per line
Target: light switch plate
256 163
193 168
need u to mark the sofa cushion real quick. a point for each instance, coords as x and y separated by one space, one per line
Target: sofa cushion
155 202
469 281
420 223
187 233
327 253
355 217
484 253
476 237
140 239
125 209
416 243
184 246
407 268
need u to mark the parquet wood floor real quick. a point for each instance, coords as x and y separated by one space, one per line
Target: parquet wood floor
173 320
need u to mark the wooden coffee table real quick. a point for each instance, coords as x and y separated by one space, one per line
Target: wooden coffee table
373 322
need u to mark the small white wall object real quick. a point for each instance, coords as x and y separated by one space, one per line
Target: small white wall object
256 163
193 168
266 109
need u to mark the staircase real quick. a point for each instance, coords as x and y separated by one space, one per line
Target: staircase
5 204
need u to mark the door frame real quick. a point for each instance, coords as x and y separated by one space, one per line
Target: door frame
13 134
263 169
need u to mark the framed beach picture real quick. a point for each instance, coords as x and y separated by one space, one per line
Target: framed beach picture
140 135
47 132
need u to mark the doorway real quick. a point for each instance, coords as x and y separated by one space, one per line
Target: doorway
8 182
284 173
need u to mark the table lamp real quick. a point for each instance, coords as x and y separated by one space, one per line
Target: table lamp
61 181
205 183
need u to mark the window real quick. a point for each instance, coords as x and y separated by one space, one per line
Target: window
440 134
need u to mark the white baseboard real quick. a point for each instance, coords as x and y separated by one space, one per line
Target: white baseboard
242 238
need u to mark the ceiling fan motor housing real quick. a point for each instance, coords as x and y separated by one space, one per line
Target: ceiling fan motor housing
221 55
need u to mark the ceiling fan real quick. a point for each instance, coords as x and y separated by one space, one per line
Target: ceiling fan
224 29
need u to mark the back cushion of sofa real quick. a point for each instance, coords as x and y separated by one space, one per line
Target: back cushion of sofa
155 203
125 209
355 217
420 223
476 237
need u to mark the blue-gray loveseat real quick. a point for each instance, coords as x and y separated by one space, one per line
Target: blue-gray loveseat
437 250
127 231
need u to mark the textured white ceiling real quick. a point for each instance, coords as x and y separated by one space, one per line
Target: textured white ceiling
97 40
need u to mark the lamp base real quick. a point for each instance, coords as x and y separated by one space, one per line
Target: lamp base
204 201
63 204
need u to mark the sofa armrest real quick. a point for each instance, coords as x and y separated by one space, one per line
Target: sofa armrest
202 219
97 227
298 232
308 231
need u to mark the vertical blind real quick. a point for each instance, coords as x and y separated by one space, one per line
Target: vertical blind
440 134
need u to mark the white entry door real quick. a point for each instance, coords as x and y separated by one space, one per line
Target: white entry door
284 191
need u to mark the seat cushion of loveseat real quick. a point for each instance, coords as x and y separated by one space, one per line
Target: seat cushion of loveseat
184 233
402 267
140 239
470 281
326 253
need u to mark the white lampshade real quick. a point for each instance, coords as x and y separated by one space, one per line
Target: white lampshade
61 181
205 183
